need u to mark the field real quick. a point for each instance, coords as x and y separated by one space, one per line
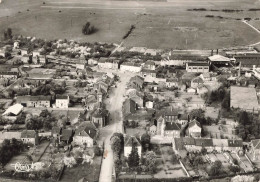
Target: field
159 24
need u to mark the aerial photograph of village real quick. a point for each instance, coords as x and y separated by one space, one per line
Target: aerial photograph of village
129 90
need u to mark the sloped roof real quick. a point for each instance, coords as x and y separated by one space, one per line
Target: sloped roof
129 106
87 128
66 134
62 97
235 143
10 135
28 134
129 140
193 123
197 80
219 58
33 98
172 126
204 142
179 145
14 109
100 113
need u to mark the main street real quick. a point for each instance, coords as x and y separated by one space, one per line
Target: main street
114 106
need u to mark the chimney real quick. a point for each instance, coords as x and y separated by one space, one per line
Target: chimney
217 51
212 52
239 70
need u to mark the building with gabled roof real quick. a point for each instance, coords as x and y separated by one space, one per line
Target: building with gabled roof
129 141
85 134
219 60
30 137
197 67
100 117
34 101
66 136
62 101
194 129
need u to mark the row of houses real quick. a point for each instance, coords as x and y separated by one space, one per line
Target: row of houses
61 101
197 144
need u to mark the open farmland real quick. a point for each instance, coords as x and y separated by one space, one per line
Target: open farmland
159 24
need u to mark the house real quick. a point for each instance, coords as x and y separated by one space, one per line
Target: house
147 72
171 129
153 130
149 65
196 144
183 119
86 134
136 82
205 76
138 49
180 60
62 101
90 102
255 149
197 67
219 60
171 82
108 63
137 97
36 53
153 52
149 104
55 132
248 60
9 75
30 137
34 101
195 82
13 111
131 66
129 141
100 117
66 136
129 107
24 52
194 129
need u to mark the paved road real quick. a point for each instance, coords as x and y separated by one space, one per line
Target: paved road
114 105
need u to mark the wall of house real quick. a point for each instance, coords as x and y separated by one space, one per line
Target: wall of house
28 140
197 69
38 104
62 103
128 149
130 68
82 140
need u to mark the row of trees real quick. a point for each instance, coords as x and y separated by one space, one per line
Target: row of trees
8 149
44 121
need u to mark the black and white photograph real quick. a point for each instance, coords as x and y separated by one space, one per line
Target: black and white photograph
129 90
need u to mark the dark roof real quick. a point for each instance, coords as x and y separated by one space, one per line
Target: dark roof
66 134
204 142
28 134
186 57
87 128
100 113
188 141
65 97
148 71
33 98
193 123
198 64
172 126
131 64
197 80
8 73
129 140
235 143
183 117
56 130
129 106
179 145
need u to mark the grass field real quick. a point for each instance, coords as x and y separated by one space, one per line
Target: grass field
159 24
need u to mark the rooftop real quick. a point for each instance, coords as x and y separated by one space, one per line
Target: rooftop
219 58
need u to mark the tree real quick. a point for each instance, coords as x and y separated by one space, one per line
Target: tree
234 169
243 118
198 160
133 158
8 34
199 115
88 29
116 144
150 161
34 123
215 168
203 151
145 141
